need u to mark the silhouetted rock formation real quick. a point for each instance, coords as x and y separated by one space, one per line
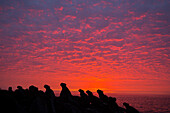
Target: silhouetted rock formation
50 98
65 94
114 106
102 97
130 109
84 100
33 100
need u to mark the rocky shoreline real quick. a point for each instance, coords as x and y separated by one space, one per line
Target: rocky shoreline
33 100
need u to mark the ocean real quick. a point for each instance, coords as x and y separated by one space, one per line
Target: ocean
143 103
146 103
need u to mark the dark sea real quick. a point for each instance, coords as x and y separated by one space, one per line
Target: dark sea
146 103
143 103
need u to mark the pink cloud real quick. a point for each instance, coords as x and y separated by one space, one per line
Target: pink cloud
114 43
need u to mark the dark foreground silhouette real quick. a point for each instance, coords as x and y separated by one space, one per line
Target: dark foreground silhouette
32 100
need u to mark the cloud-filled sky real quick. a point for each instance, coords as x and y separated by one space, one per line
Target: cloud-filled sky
120 46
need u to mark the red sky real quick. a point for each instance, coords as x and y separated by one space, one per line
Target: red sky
119 46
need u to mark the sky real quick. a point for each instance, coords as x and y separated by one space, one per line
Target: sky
118 46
